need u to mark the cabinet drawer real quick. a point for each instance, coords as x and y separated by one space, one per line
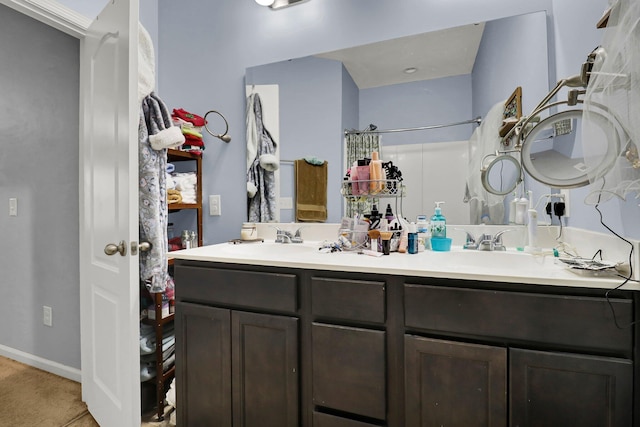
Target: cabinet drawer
326 420
348 371
235 288
348 299
569 321
566 389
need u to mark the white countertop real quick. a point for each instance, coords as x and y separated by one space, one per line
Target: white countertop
510 266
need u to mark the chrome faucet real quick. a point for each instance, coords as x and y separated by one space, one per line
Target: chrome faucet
486 242
284 236
492 243
470 242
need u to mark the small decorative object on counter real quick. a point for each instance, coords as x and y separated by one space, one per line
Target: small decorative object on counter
249 231
193 237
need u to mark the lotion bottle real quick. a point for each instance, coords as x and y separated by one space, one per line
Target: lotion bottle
512 209
521 210
355 188
412 239
375 173
363 177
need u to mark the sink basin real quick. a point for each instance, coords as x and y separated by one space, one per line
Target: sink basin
269 249
491 260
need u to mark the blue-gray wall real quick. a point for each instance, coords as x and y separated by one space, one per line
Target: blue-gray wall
416 104
39 81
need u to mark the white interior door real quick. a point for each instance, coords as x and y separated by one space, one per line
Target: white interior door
109 296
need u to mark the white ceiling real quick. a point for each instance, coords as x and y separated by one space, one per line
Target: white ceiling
450 52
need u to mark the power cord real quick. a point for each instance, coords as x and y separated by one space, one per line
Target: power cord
626 279
558 209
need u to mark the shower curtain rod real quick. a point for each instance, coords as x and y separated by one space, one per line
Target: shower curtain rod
477 120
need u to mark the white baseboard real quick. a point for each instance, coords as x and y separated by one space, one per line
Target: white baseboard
40 363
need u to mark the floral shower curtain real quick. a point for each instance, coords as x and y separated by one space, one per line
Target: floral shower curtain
358 146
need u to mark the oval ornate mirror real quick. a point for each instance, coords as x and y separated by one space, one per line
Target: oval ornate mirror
501 174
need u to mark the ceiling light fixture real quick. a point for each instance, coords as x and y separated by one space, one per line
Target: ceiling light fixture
410 70
279 4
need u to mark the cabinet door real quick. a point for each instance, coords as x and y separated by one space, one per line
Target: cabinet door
349 370
561 389
265 370
203 365
454 384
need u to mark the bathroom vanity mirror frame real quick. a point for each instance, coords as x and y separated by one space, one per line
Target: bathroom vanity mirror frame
509 77
495 167
569 172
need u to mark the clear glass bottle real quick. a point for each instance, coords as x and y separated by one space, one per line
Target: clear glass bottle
186 239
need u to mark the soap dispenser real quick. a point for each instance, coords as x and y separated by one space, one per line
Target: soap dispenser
438 223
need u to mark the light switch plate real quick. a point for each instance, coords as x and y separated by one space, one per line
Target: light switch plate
13 206
214 205
286 203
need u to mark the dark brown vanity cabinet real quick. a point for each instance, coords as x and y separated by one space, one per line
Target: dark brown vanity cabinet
273 346
548 388
454 383
348 349
557 360
236 367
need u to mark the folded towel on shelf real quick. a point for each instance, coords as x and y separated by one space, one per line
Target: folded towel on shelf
195 119
150 346
151 357
311 191
148 339
148 369
191 133
186 183
174 196
171 184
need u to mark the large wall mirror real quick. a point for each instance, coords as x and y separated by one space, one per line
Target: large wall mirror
435 78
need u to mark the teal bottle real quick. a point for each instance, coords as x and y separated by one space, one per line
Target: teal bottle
438 223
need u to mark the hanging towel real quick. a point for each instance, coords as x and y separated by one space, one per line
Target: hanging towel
484 207
311 191
261 164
